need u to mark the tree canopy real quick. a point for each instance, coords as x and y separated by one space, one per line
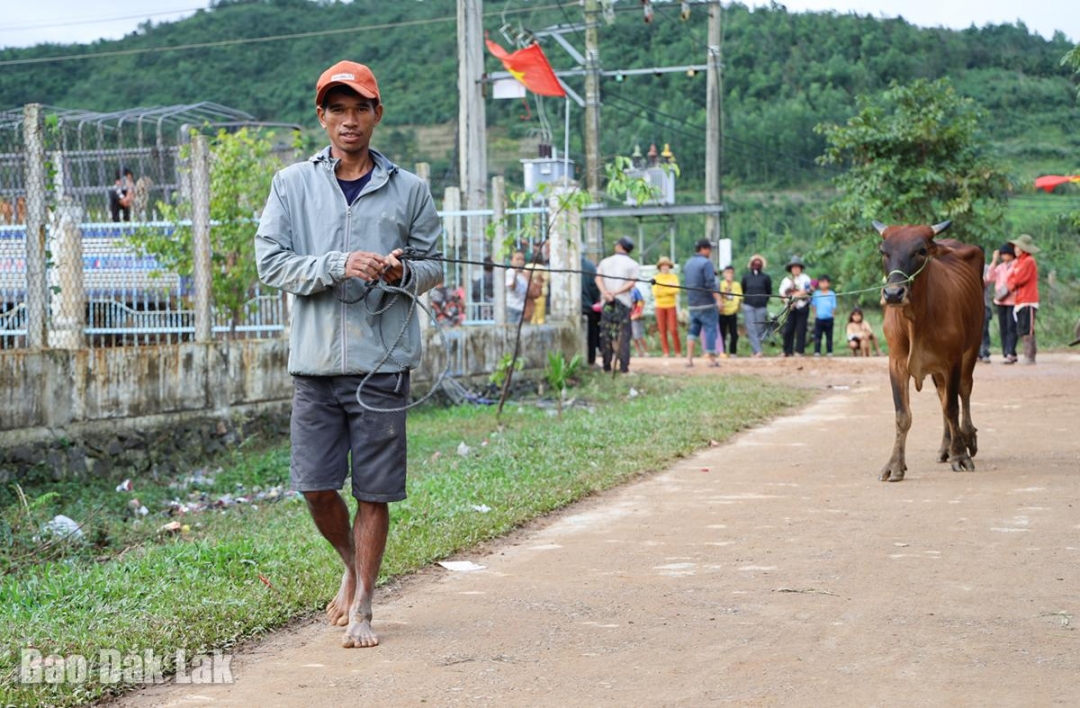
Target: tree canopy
784 73
912 155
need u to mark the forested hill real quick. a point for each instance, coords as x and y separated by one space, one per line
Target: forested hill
784 73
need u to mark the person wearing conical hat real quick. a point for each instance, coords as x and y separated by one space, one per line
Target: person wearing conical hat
665 291
796 288
1024 284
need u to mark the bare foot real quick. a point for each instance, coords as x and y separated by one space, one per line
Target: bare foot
337 611
359 634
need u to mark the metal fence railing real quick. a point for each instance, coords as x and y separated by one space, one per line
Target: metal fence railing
128 299
467 295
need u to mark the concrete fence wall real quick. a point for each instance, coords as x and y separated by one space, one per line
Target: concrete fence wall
146 409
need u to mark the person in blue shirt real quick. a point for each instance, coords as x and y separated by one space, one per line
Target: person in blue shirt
704 301
824 301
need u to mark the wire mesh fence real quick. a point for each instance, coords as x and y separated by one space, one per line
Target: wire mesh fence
113 232
96 211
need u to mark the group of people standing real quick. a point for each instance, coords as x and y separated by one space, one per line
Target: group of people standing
1012 285
610 300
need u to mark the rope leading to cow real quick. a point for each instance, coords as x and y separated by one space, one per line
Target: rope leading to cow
773 323
396 292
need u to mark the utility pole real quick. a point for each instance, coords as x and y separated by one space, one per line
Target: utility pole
472 120
594 238
714 126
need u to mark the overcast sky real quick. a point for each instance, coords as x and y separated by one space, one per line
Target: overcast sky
28 22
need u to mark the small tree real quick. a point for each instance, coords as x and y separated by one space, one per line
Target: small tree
914 155
620 184
558 374
242 167
575 200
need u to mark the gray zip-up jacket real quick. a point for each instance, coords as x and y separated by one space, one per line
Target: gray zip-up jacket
305 236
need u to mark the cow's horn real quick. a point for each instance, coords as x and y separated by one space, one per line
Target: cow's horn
880 227
938 228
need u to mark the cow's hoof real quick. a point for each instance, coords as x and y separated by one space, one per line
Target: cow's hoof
943 455
893 472
973 445
962 463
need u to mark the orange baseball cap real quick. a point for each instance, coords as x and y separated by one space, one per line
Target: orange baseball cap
347 73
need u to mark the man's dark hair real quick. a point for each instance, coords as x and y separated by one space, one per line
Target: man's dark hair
348 92
702 244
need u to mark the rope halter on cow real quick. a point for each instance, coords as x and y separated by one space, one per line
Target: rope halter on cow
908 279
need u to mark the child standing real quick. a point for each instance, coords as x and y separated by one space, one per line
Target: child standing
824 301
731 295
637 323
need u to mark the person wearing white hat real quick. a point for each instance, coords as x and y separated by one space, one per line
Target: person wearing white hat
796 288
1024 282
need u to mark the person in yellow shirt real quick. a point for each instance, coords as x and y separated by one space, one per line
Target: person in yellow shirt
536 298
731 296
665 291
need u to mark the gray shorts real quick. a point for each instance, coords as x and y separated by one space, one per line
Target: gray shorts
328 424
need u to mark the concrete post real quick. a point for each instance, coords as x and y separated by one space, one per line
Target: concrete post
498 248
472 134
592 124
200 242
69 299
564 242
451 219
452 225
37 293
714 127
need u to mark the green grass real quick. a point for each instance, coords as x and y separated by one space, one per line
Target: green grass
205 589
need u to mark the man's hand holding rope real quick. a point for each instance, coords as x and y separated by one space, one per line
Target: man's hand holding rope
370 266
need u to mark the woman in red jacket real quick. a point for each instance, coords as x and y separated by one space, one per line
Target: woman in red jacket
1024 285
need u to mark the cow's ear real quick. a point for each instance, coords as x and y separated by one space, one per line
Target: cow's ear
938 228
880 227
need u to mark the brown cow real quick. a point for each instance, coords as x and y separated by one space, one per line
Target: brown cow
933 323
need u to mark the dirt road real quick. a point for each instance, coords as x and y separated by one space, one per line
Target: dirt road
775 570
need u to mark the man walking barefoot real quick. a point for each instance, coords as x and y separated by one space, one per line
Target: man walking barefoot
333 233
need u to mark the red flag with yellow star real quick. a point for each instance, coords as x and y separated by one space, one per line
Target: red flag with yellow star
530 67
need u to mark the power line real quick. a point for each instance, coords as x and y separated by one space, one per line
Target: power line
662 9
737 150
679 131
252 40
814 168
99 20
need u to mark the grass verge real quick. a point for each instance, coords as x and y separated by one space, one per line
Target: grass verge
243 571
